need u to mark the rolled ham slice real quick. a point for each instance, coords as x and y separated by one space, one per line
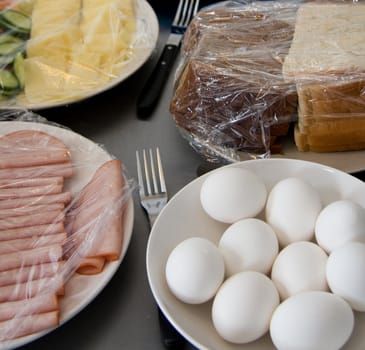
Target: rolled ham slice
25 273
25 148
30 231
63 197
20 327
63 169
94 221
30 306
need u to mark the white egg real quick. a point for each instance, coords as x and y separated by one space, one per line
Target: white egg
299 267
340 222
248 244
292 208
346 273
231 194
312 321
243 306
194 270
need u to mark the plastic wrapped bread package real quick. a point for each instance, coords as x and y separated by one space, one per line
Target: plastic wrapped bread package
326 61
231 101
63 203
63 50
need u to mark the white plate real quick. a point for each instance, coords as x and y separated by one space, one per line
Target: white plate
148 24
350 161
80 290
184 217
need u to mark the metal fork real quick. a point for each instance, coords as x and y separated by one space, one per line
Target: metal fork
153 197
152 193
151 92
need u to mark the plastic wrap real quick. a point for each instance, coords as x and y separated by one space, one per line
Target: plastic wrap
233 99
71 49
63 222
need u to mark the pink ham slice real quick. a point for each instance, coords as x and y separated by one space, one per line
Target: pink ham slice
33 209
25 273
42 181
48 217
6 193
63 197
30 306
32 288
94 222
31 257
19 327
50 170
29 148
30 231
18 245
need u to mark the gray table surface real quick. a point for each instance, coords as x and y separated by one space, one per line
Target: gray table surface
124 314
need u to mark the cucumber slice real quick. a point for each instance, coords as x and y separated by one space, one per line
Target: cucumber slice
16 22
19 69
9 50
9 84
6 38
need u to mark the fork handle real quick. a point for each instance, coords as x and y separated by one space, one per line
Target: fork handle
151 91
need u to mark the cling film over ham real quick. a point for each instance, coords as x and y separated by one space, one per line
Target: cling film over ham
54 224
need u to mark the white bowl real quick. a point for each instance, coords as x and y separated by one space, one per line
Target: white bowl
184 217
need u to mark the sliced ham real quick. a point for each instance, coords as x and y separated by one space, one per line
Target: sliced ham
48 217
30 231
18 245
31 257
20 327
25 273
28 210
6 193
27 148
30 306
32 288
94 222
42 181
63 197
63 169
32 158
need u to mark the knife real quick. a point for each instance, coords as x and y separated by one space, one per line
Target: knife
152 90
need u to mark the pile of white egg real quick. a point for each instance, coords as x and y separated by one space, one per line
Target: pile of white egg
298 274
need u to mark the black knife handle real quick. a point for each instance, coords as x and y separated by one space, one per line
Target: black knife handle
171 338
151 92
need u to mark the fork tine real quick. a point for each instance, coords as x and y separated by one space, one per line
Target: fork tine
178 12
160 172
140 177
193 7
185 12
146 173
154 180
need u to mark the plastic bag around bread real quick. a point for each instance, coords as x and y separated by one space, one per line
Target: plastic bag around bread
231 101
